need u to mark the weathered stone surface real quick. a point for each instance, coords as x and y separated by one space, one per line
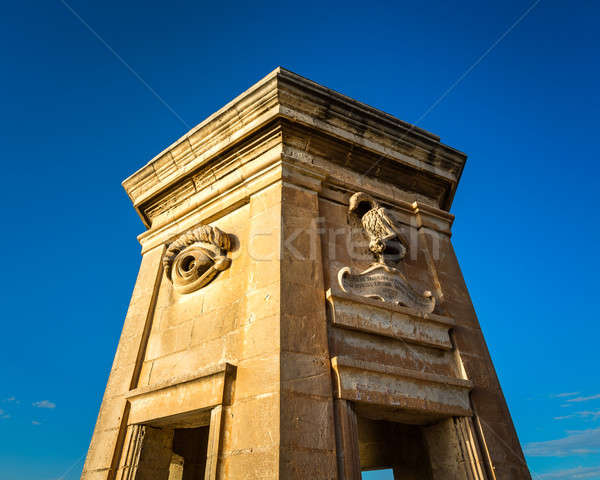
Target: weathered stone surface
368 315
276 370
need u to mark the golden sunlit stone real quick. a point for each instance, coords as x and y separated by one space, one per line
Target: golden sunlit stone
246 354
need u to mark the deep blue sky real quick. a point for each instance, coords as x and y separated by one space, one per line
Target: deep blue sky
75 122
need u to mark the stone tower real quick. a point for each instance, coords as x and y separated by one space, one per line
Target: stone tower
299 312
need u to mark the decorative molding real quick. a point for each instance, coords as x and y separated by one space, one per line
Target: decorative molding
196 257
285 96
224 173
371 316
160 404
397 387
382 280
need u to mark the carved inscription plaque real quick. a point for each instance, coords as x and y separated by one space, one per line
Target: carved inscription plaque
386 284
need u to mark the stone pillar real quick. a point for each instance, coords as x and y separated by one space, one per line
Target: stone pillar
176 467
306 417
214 443
445 453
453 450
347 441
147 454
250 424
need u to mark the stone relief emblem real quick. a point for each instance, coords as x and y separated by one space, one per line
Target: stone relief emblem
196 257
382 279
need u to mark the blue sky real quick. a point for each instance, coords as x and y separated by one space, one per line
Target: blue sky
75 122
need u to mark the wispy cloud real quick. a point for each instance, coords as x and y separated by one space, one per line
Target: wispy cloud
584 399
11 400
35 422
577 473
587 414
578 442
44 404
566 394
3 414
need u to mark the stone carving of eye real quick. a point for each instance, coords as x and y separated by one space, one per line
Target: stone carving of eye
196 257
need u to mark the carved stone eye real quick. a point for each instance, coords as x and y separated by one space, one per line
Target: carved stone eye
189 269
188 263
196 257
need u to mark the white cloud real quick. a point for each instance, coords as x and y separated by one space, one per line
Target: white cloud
35 422
3 414
578 473
584 399
594 414
578 442
11 399
44 404
586 414
566 394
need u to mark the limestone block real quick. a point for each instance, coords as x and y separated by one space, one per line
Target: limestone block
188 361
300 464
260 336
304 333
111 413
169 341
257 375
252 464
253 423
263 302
100 453
306 374
307 422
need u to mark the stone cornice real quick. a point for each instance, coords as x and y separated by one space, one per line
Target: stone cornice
283 94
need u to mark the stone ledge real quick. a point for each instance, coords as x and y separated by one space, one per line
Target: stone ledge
205 372
344 361
336 292
397 387
182 396
350 312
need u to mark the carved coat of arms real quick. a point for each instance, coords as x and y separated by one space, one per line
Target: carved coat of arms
382 279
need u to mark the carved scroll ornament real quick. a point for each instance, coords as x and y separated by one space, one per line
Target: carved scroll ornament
196 257
382 279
